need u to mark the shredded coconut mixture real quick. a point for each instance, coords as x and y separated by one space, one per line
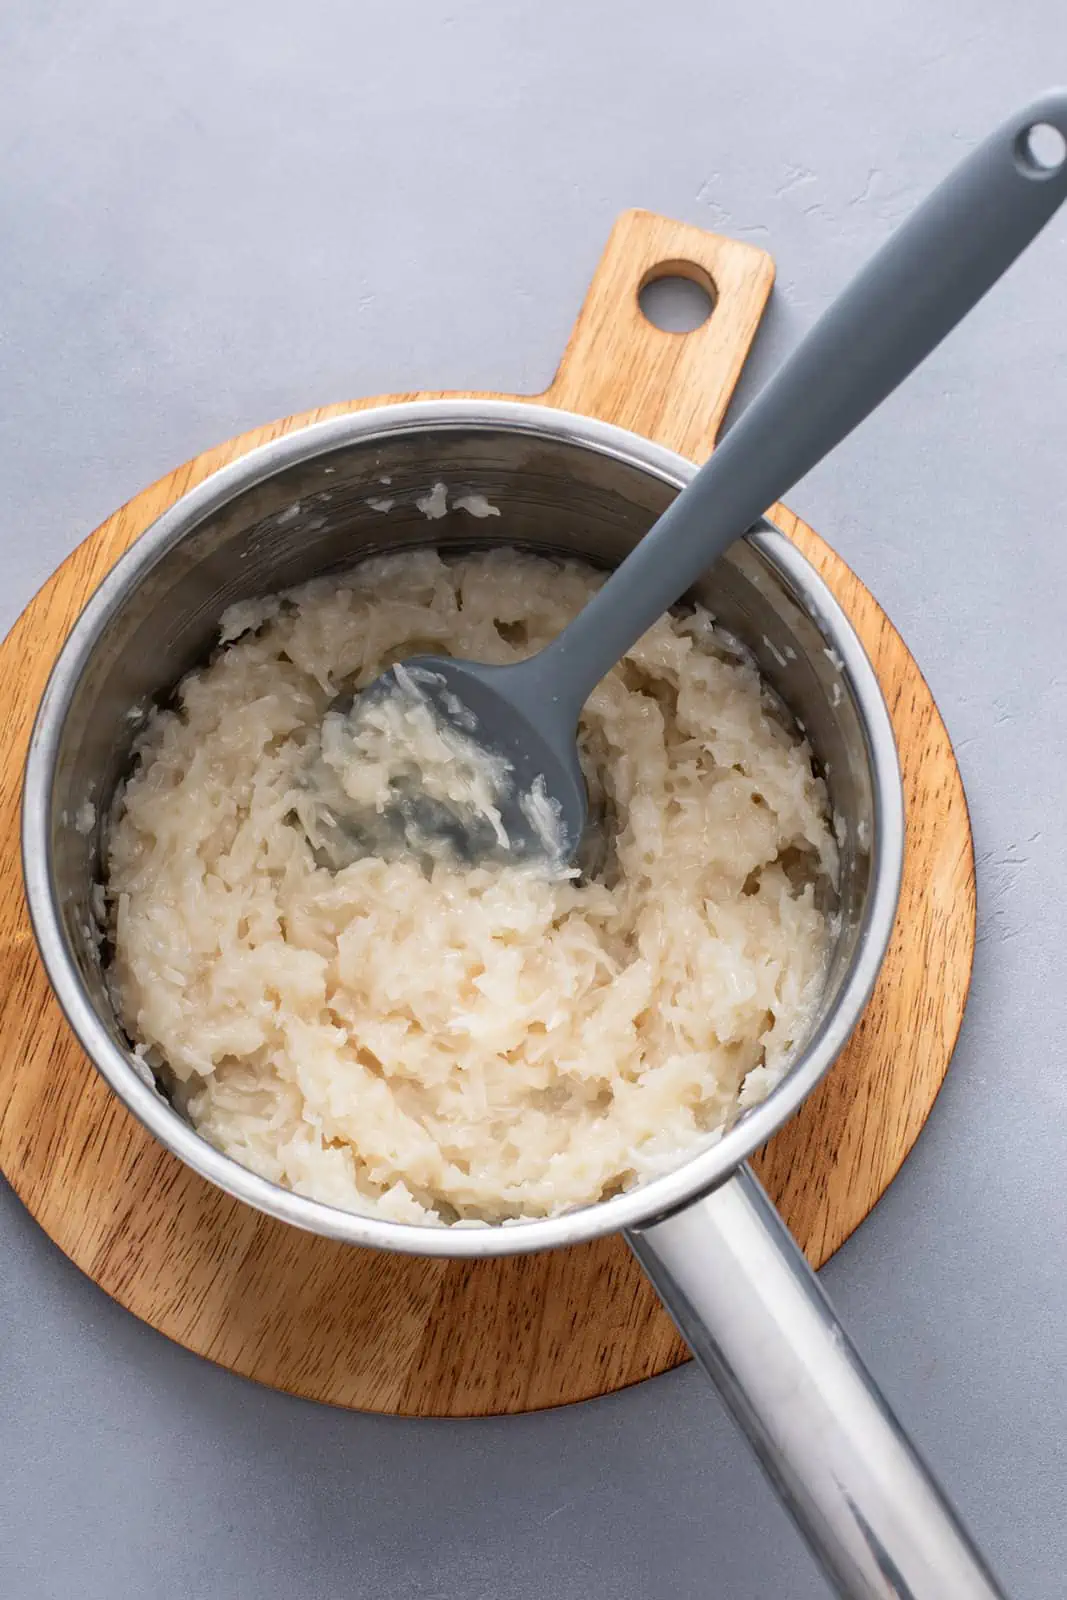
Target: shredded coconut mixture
439 1043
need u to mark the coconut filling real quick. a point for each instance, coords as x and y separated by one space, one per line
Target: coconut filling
402 1034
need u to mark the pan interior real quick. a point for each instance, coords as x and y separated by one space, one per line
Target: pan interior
556 495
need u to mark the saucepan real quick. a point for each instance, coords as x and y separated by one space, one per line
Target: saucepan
741 1292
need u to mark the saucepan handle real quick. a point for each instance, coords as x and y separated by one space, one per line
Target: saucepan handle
756 1318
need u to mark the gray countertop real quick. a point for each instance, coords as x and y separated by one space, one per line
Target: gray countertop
217 214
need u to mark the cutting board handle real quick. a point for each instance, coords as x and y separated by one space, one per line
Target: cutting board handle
671 387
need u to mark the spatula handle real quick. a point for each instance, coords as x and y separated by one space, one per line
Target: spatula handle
917 287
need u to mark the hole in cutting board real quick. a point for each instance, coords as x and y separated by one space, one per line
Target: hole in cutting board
676 296
1040 150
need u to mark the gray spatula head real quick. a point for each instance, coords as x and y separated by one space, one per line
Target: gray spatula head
505 733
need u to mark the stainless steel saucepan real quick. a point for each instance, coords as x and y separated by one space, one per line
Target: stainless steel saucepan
722 1260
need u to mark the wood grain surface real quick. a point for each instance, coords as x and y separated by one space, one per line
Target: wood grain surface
421 1337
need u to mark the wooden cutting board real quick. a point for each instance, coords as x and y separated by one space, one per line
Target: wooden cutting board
440 1338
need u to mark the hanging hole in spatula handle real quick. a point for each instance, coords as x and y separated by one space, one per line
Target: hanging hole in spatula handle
1041 150
672 386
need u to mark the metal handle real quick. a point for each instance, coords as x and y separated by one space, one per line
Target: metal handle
757 1320
922 281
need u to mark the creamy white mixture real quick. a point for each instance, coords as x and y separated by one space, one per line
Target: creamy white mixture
436 1043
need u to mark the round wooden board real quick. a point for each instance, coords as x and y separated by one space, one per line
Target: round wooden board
440 1338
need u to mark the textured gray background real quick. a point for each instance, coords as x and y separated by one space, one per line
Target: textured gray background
215 214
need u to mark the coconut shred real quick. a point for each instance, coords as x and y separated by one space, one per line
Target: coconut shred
438 1042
